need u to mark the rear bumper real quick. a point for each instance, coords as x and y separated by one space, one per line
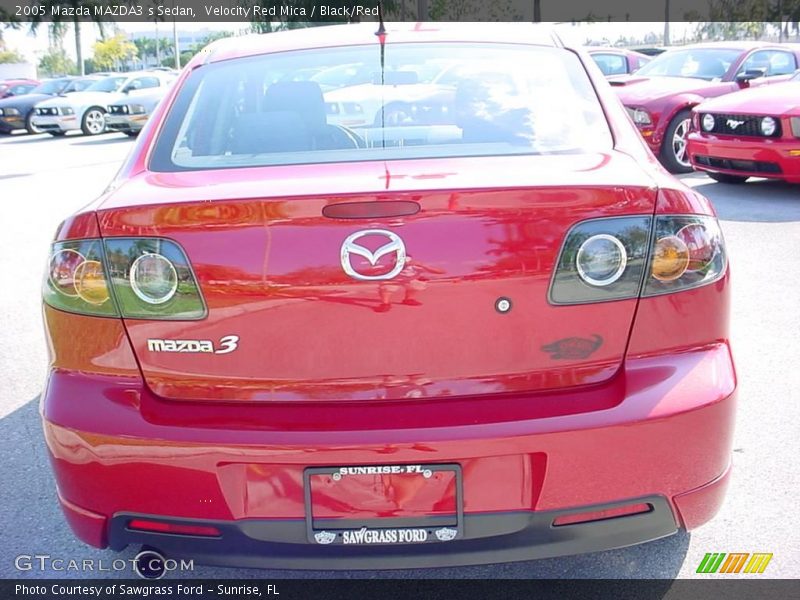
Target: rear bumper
745 157
489 538
666 444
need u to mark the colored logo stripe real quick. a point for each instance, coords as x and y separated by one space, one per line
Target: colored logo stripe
758 562
711 562
734 562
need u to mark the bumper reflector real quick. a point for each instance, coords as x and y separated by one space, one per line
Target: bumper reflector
599 515
160 527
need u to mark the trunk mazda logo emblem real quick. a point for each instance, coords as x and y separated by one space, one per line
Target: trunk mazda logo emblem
395 244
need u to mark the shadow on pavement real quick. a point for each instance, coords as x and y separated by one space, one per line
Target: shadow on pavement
25 138
761 201
102 140
31 523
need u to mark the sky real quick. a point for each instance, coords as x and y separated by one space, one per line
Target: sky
32 46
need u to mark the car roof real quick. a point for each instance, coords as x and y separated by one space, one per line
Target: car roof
365 33
611 50
729 45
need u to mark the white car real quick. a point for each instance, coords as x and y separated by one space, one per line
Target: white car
86 111
370 104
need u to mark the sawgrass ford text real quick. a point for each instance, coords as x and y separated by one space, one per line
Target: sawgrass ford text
145 591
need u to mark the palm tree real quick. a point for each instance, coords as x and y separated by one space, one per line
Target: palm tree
79 5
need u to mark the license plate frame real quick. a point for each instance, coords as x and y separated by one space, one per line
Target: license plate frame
407 530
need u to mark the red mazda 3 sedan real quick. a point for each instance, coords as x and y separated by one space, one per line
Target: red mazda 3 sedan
454 312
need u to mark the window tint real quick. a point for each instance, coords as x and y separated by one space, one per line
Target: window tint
611 64
414 101
141 83
53 86
80 85
107 84
24 88
771 62
700 63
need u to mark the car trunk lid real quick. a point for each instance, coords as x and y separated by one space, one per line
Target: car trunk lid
317 322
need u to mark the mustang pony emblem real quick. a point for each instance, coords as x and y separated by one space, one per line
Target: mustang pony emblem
324 537
395 244
445 534
733 123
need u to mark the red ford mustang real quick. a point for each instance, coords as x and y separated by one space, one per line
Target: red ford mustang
661 95
491 329
752 133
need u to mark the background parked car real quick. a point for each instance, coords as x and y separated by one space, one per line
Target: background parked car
129 115
17 112
661 95
617 61
86 111
752 133
16 87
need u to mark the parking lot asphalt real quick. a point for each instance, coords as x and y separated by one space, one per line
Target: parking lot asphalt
43 180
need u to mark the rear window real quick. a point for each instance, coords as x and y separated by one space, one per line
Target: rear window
364 103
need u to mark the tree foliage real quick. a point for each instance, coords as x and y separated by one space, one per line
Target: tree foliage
187 54
112 53
98 20
55 62
11 56
472 10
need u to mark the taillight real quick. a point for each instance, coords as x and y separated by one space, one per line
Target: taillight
75 280
138 278
688 252
602 259
615 259
152 279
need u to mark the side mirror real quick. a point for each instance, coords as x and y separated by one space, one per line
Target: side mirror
749 75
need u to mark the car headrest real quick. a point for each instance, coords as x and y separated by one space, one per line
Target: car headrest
274 131
301 97
395 78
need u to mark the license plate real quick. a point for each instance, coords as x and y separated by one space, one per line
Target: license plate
384 504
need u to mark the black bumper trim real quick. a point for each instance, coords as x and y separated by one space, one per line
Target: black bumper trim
745 166
488 538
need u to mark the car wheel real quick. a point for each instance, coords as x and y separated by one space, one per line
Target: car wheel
57 133
674 152
725 178
94 121
29 126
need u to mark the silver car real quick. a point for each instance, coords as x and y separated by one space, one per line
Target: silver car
129 115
